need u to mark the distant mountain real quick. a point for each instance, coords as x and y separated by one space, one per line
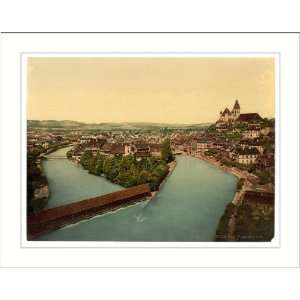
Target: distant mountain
53 123
67 124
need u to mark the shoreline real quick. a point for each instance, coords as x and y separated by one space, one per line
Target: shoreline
219 166
235 200
236 173
172 166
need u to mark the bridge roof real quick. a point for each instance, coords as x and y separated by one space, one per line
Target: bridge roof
56 213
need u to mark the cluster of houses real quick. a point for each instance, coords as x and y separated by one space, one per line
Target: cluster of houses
139 149
241 138
42 139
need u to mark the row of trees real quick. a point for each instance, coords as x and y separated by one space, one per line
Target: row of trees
166 151
126 170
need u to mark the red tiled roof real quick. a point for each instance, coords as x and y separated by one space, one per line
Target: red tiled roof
118 149
249 117
55 213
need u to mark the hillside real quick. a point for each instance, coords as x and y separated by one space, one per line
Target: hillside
67 124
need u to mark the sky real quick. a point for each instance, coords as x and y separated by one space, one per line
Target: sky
147 89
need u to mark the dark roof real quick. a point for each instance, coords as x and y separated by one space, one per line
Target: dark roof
247 151
249 117
142 147
236 105
226 111
252 142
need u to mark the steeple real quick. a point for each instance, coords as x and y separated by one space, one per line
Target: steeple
236 109
236 104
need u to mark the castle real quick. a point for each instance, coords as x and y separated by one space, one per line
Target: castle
230 116
235 115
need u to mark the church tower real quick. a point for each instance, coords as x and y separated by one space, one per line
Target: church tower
236 110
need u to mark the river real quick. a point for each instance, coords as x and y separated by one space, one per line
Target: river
187 208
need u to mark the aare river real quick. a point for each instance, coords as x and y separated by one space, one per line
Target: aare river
187 208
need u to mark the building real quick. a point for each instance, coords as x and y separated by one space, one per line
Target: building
247 156
253 143
230 116
249 118
141 150
155 150
251 133
235 115
266 163
203 145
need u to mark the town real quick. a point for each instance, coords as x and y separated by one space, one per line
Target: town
242 144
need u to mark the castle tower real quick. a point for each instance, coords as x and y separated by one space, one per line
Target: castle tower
221 115
226 115
236 110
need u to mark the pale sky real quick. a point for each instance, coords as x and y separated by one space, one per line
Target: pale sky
165 90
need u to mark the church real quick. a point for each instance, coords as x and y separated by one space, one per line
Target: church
235 115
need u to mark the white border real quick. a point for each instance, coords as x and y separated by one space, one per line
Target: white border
25 243
13 255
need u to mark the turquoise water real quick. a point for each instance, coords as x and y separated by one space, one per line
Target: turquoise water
187 208
69 182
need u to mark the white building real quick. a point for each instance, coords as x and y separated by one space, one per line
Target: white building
251 133
203 145
229 116
247 156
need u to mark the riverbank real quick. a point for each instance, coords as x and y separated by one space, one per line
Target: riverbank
222 167
186 209
126 170
240 221
172 166
226 225
39 193
38 188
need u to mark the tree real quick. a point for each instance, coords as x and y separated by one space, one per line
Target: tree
166 151
126 170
